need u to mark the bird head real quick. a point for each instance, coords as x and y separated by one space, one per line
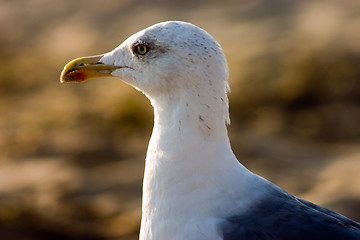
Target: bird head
167 57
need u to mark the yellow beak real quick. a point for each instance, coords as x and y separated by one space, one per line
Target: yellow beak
82 69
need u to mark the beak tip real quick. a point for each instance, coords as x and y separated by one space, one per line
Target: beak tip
63 77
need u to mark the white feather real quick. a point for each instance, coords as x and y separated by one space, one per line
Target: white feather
192 178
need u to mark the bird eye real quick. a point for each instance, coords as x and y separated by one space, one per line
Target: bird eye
141 49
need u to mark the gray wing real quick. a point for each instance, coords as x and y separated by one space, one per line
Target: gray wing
282 216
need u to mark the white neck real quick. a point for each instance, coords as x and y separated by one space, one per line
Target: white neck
190 167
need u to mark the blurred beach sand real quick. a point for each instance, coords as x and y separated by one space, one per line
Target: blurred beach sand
72 155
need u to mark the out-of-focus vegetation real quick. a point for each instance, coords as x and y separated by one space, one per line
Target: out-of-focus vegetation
71 155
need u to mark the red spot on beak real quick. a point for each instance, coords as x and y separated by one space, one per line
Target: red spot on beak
76 76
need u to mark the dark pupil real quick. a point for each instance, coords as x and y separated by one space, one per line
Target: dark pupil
141 49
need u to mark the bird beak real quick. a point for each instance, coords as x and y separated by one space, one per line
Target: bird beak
82 69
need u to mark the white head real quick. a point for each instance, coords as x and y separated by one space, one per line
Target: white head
169 60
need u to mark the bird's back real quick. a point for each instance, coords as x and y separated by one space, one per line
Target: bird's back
281 216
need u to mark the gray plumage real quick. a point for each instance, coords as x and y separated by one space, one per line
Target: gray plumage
282 216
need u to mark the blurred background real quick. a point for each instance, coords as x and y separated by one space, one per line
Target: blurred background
72 155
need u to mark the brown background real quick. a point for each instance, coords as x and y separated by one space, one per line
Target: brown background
72 155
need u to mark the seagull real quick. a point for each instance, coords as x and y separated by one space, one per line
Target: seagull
194 187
